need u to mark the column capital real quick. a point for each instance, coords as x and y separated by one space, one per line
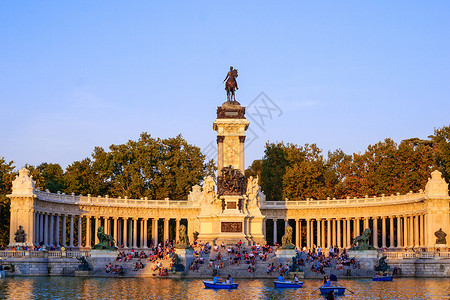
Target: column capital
242 138
220 139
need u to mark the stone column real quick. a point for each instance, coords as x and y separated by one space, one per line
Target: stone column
125 233
297 235
308 233
411 231
383 232
135 235
52 231
106 221
375 232
57 229
166 229
145 232
241 154
155 231
88 231
344 233
338 221
329 233
41 228
80 232
399 232
322 236
391 231
275 237
318 233
46 230
115 224
366 223
64 231
349 240
405 231
96 226
416 231
177 229
130 232
421 231
71 231
357 227
220 139
334 232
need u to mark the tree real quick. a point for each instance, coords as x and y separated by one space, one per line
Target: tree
48 176
273 168
6 178
441 139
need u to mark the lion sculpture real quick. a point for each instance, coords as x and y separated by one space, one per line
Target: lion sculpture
106 241
183 239
286 240
361 242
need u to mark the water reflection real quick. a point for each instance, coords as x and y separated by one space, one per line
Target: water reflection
153 288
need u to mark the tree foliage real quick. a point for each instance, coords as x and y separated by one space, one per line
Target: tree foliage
6 178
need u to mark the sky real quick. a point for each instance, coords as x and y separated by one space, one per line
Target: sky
342 74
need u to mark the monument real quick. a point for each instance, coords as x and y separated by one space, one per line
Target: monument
232 214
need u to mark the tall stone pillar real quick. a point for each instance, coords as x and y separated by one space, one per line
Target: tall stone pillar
399 232
219 140
375 232
166 229
145 232
125 233
411 231
177 229
383 232
308 233
366 223
46 230
106 220
322 234
97 225
334 232
71 231
357 226
41 228
135 235
297 234
421 230
275 229
64 230
416 231
155 231
51 231
88 231
405 231
57 231
241 153
115 224
80 232
391 232
319 229
349 240
339 244
329 232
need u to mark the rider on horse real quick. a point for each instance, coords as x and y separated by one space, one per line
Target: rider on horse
231 84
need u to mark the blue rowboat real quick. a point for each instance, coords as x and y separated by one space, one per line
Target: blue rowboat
288 284
338 290
383 278
219 285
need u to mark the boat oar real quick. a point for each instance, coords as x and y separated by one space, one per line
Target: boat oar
350 291
315 290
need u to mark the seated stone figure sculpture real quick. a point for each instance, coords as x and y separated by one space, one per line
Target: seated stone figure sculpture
382 265
106 241
361 242
286 240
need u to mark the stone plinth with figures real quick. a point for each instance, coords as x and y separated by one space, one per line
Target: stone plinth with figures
232 213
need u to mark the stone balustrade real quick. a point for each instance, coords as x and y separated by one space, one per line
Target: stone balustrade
42 254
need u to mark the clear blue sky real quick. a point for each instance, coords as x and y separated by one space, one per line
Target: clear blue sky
346 74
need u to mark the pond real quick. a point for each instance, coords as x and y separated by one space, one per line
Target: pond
153 288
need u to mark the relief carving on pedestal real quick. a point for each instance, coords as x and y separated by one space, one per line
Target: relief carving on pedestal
231 226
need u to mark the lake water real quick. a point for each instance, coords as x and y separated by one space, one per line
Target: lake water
151 288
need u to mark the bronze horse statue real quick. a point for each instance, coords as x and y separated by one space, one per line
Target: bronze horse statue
231 84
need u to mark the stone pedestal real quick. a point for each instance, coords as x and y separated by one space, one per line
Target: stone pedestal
285 254
186 255
441 247
109 254
367 259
